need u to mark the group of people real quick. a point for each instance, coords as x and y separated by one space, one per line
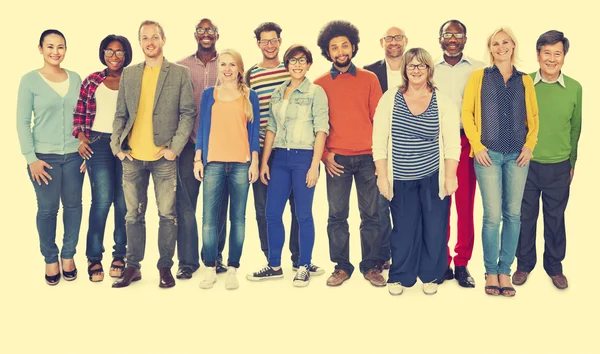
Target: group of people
409 130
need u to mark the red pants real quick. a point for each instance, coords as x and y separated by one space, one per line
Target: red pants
464 200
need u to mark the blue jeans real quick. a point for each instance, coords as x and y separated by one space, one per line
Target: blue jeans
217 177
501 186
188 188
361 168
65 186
288 172
106 180
136 176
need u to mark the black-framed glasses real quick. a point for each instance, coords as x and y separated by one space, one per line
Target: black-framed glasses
448 35
398 37
209 30
272 41
294 61
417 66
109 53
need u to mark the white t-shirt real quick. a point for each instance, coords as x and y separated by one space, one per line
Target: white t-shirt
394 77
61 88
106 106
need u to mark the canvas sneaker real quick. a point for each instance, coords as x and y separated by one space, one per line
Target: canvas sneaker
265 273
313 269
208 278
302 277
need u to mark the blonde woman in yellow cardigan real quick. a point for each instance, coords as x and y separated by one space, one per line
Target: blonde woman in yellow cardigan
500 118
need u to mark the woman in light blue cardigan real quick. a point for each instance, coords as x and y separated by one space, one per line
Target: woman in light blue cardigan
50 93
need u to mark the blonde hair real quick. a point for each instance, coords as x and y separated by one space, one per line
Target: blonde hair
244 90
423 57
510 35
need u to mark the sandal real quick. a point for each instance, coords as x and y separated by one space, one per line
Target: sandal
97 274
493 290
506 291
69 275
115 269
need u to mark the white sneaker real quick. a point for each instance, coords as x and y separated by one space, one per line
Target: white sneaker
430 288
208 278
231 281
395 288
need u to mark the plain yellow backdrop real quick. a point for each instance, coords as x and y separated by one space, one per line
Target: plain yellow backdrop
274 317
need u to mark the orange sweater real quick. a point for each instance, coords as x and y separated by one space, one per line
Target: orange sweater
352 103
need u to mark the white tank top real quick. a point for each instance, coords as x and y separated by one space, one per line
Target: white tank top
106 106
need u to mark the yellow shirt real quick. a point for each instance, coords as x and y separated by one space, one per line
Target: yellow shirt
141 137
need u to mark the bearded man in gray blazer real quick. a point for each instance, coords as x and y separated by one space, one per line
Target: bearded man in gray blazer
155 115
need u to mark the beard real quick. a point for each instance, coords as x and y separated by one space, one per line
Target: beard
452 55
344 64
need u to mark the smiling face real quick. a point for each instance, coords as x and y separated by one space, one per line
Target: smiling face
416 75
228 69
394 48
551 59
501 47
205 40
453 46
298 70
114 62
340 51
269 50
53 49
151 41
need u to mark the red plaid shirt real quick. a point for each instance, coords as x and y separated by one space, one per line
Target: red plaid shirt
85 110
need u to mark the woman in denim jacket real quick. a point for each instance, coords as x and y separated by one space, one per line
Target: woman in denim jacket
296 131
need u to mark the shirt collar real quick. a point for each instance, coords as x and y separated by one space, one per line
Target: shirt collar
494 68
465 58
335 72
538 78
196 59
303 87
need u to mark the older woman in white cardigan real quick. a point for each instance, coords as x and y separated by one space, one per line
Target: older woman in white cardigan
416 147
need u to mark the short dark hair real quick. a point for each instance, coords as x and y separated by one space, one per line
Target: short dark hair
453 21
337 29
212 23
150 23
49 32
267 27
116 38
552 37
294 50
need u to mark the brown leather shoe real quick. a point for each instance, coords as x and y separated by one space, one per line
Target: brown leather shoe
520 277
166 278
337 278
560 281
130 274
375 277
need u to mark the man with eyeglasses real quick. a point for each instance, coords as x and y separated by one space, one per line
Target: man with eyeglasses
153 120
387 70
204 70
263 78
353 94
452 72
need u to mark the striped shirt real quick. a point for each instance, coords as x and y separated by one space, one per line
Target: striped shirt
415 145
264 81
203 76
503 111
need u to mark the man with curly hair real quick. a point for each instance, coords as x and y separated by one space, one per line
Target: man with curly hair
353 94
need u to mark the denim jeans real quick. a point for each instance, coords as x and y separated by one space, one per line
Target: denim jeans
260 203
106 181
362 169
385 224
288 172
218 176
501 186
188 188
136 175
65 186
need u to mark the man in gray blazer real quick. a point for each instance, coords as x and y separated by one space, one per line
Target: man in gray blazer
154 118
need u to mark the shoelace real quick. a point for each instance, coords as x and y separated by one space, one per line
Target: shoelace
302 273
265 270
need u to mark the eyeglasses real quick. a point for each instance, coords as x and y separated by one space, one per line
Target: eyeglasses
109 53
209 30
419 66
398 37
293 61
273 41
448 35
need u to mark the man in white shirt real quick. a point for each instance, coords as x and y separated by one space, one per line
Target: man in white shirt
452 72
387 70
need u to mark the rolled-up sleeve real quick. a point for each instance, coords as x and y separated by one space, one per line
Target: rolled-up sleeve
320 111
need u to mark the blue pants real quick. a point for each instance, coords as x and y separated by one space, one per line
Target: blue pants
288 172
418 239
106 181
65 186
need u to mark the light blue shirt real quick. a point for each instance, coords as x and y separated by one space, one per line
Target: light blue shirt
52 128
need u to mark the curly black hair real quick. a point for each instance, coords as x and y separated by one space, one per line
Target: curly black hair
336 29
124 42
